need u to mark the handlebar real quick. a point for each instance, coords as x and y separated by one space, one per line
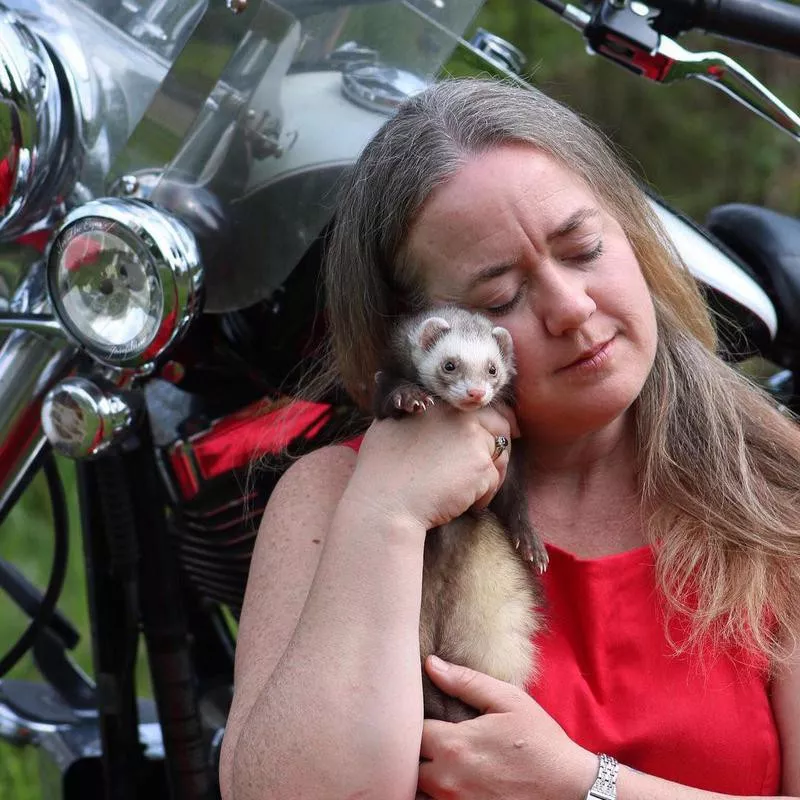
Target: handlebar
773 24
631 35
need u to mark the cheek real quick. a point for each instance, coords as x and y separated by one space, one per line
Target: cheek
624 295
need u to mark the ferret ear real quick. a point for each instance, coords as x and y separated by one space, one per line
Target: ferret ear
503 338
431 331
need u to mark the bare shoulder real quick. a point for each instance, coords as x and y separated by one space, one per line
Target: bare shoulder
311 483
786 707
287 551
285 559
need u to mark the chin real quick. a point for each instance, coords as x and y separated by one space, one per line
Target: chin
573 420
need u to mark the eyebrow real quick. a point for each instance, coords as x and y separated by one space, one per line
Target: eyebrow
573 222
570 225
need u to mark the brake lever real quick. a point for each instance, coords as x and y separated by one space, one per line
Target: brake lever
623 35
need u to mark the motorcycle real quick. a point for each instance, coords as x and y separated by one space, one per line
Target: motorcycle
167 174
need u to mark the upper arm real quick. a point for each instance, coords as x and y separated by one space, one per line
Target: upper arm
285 559
786 707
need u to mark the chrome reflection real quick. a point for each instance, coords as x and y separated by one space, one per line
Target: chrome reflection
125 280
36 129
82 419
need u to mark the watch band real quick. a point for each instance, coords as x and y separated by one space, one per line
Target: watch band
605 785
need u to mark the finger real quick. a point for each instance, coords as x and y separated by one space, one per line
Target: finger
434 734
428 780
498 420
508 414
488 695
501 465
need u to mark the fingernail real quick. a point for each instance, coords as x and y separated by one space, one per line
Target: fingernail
438 664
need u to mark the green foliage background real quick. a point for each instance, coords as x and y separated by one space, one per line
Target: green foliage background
693 144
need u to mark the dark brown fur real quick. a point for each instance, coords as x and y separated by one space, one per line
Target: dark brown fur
479 591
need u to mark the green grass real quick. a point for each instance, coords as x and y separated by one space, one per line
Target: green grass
26 540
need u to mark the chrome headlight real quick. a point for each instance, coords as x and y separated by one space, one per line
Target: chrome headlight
124 279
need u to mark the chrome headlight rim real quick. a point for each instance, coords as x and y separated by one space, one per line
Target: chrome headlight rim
40 147
166 243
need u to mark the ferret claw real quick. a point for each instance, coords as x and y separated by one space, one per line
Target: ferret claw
412 400
534 553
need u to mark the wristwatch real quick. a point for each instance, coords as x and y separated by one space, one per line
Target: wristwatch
605 785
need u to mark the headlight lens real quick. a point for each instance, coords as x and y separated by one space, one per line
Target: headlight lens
124 280
109 290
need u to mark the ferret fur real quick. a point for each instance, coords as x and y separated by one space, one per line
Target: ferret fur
480 596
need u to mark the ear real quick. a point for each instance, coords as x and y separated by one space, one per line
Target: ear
503 338
430 331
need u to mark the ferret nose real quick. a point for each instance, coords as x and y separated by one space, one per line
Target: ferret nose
476 393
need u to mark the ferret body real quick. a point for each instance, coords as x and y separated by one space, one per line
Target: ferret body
480 596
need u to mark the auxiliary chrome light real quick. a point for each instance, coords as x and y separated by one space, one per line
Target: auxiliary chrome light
124 279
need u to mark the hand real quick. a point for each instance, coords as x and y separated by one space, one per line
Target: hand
515 750
432 467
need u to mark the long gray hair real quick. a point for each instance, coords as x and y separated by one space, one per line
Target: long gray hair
719 469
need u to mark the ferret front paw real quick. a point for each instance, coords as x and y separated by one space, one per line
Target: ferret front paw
533 551
412 400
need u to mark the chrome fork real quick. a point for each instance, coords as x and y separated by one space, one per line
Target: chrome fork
31 362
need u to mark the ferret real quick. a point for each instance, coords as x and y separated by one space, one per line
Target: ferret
480 597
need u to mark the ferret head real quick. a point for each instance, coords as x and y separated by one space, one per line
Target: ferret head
462 357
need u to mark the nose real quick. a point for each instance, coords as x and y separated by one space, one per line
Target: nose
476 393
564 303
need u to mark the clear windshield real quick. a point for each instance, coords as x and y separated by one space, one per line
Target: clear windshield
308 85
117 54
247 120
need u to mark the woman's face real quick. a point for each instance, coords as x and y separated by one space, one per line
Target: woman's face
519 237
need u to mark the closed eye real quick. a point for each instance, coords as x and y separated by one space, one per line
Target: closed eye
505 308
589 256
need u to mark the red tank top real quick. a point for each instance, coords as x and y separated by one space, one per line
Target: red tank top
610 678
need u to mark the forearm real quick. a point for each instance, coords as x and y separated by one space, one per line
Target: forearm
342 712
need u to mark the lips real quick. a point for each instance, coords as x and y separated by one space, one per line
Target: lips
588 354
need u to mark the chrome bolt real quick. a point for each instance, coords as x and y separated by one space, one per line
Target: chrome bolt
129 185
81 419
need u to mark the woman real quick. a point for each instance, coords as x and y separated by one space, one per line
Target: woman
661 481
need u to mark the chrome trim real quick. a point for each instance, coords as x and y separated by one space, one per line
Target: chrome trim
36 323
499 51
723 72
576 16
468 51
175 255
377 87
20 731
37 121
81 420
29 365
71 742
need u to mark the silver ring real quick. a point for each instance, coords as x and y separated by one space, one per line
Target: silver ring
500 446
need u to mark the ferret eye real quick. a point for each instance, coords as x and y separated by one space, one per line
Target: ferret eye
492 369
449 366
